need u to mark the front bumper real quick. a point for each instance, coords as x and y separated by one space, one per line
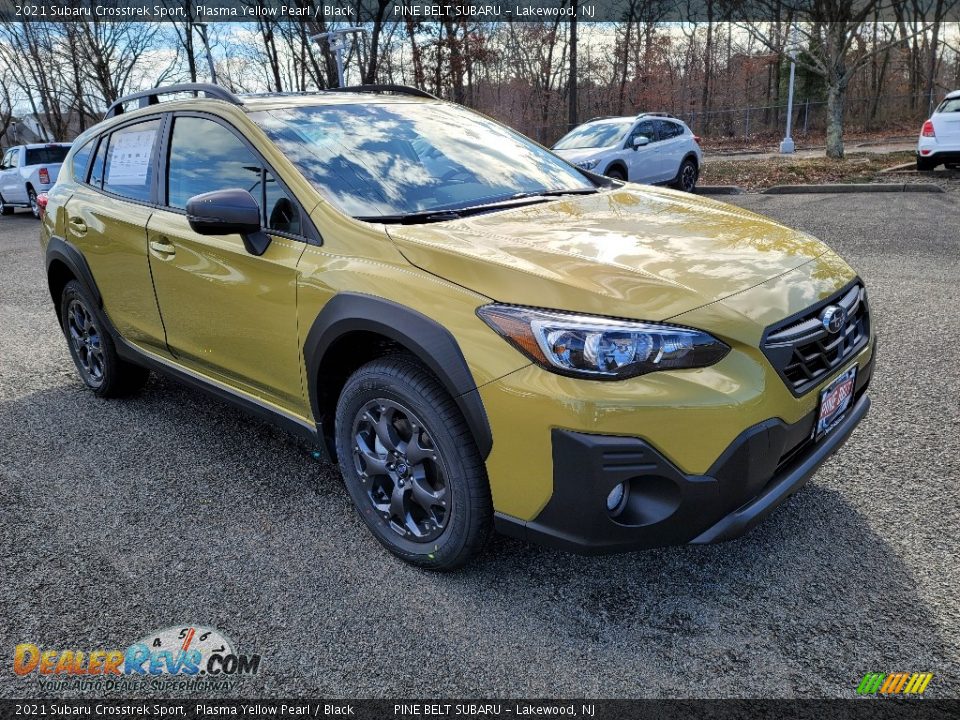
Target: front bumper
760 469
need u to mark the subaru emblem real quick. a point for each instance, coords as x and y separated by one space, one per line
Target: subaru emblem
833 318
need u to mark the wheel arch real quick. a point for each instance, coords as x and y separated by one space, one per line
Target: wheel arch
691 155
618 165
65 263
353 329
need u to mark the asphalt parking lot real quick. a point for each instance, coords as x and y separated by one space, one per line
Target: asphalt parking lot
122 517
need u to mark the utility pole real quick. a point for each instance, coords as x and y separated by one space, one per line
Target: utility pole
786 145
338 42
202 26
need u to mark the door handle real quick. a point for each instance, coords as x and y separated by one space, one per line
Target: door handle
78 225
163 247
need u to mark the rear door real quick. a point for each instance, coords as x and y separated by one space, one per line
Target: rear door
107 221
228 314
643 162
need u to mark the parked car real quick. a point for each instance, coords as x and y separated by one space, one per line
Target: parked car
478 332
652 148
939 142
26 171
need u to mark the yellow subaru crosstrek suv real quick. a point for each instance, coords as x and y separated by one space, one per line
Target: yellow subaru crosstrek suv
480 334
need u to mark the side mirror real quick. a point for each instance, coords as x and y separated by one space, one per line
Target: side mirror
229 212
640 141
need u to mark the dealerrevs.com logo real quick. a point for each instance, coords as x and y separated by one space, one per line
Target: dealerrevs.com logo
898 683
182 657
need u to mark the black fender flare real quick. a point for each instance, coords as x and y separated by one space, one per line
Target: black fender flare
59 249
425 338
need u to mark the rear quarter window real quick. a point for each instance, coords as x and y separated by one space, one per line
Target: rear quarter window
50 155
81 161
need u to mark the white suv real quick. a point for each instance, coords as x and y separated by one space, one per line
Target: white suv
939 142
26 171
650 148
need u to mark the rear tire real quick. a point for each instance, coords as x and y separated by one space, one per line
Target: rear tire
924 165
92 348
32 199
411 465
687 176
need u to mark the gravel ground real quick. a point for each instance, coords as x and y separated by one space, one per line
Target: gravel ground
120 517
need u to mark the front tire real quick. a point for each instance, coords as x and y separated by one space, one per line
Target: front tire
687 176
92 348
616 173
411 465
4 208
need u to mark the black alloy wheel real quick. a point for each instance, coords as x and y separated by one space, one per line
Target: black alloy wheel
86 342
402 474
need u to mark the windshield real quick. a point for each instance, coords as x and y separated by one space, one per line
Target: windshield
49 155
376 160
951 105
595 135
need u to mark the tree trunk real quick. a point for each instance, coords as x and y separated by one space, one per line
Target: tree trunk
836 96
572 78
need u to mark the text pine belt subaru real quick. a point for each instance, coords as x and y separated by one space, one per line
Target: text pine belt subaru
481 334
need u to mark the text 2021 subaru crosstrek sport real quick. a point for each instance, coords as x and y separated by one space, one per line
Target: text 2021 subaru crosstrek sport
479 333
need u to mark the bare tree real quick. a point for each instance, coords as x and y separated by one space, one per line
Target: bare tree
830 30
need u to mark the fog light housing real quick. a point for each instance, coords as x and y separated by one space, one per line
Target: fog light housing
617 499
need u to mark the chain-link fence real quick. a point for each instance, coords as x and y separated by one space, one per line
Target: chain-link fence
894 114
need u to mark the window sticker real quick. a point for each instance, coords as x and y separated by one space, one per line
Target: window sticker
130 154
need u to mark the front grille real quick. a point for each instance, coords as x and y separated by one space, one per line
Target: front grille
804 352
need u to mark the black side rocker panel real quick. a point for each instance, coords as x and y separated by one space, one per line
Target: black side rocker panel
428 340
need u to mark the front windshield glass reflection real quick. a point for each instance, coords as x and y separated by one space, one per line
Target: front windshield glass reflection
374 160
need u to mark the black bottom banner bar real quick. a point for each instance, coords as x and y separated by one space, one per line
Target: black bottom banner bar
866 708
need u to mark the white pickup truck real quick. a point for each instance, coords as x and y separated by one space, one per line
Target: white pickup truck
26 171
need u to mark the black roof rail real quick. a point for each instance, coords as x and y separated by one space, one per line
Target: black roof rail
150 97
399 89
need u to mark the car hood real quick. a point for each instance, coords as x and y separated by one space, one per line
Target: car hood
635 252
576 155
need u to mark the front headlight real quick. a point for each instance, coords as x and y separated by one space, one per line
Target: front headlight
588 164
601 348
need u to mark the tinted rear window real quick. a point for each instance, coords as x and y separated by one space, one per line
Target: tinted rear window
47 155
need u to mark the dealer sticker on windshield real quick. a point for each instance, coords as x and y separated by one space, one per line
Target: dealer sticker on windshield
835 399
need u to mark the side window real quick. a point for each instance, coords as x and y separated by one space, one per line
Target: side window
81 161
96 172
280 211
129 168
205 156
669 129
14 158
646 128
6 159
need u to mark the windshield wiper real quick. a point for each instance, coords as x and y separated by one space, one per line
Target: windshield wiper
555 193
429 216
413 218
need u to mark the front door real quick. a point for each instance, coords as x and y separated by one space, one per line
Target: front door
228 314
11 184
643 162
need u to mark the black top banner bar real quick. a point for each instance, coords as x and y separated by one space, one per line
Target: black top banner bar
417 11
